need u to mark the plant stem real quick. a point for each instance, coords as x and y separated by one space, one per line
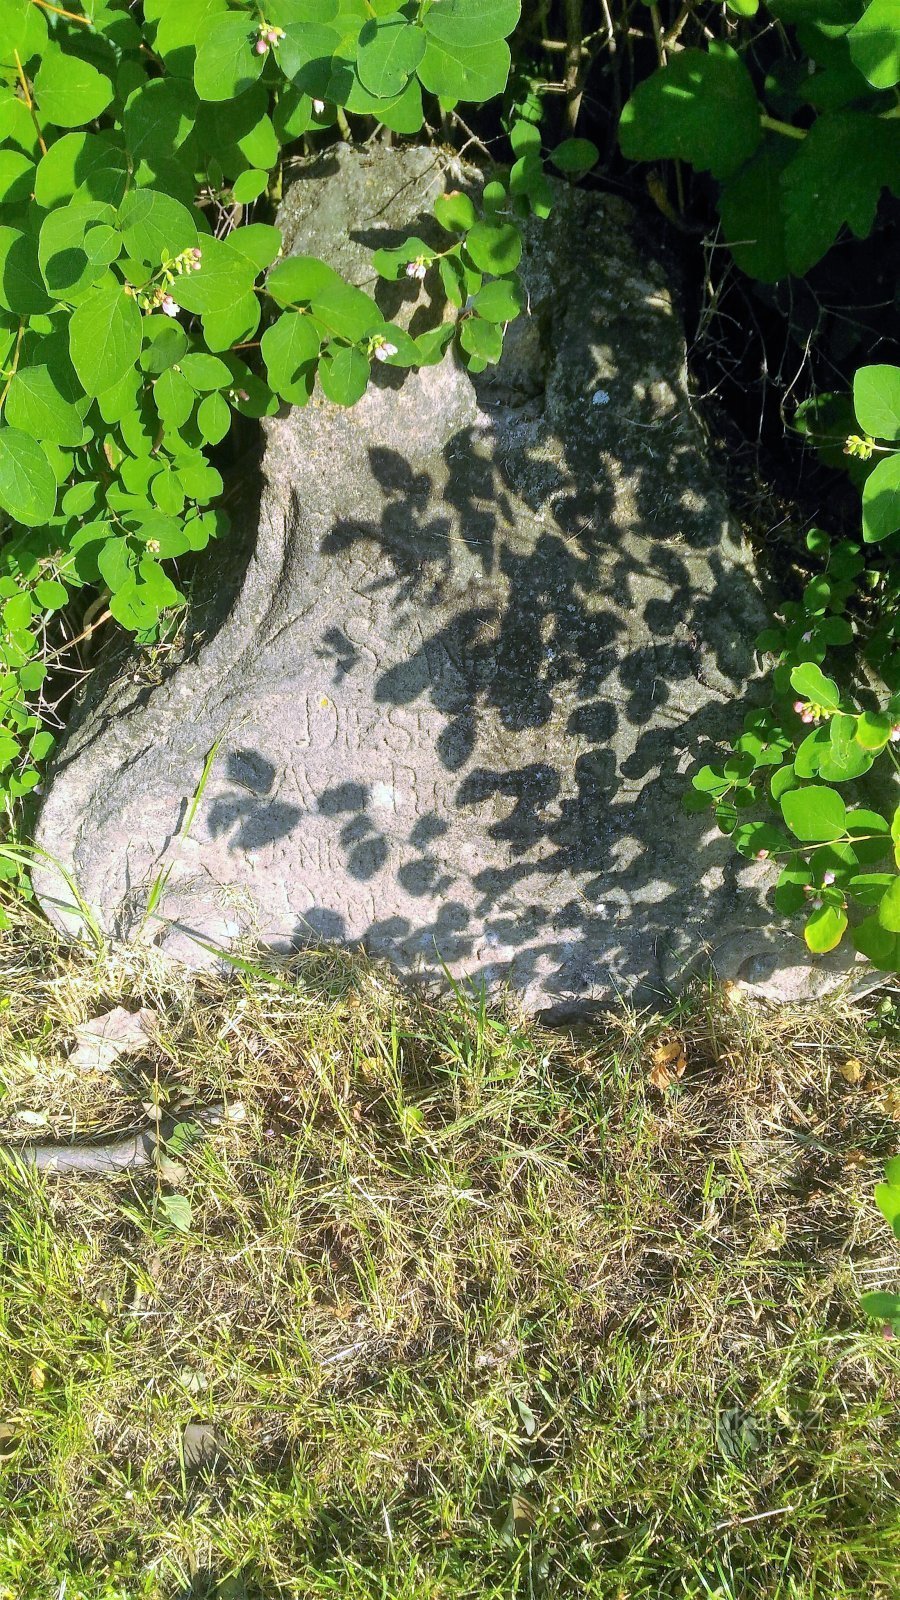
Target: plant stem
71 16
574 17
15 364
29 102
777 126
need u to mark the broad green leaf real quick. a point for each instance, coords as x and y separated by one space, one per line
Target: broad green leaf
158 116
881 500
22 288
880 1303
36 405
249 185
76 244
814 813
345 310
296 279
455 211
69 164
105 337
155 227
873 729
165 342
456 73
289 346
751 209
224 277
392 264
811 683
237 321
344 376
877 943
835 178
494 246
16 176
481 339
875 43
205 372
227 64
825 928
575 156
115 564
23 31
843 759
389 50
174 398
27 480
469 23
789 896
889 908
500 300
258 243
700 107
305 56
876 398
213 418
179 27
69 91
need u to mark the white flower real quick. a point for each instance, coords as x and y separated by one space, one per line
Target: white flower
318 107
383 349
600 398
417 268
169 306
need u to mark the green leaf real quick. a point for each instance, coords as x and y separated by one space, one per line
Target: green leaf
176 1208
814 813
575 156
825 928
114 564
500 300
751 209
789 897
810 682
249 185
22 288
213 418
16 176
70 162
155 227
23 31
37 404
76 244
70 91
305 56
455 73
204 372
889 908
875 43
225 276
455 211
105 337
873 729
877 943
227 64
699 107
843 759
258 243
481 339
27 480
390 49
876 399
468 23
289 347
494 246
344 375
880 1303
836 178
174 398
881 500
158 116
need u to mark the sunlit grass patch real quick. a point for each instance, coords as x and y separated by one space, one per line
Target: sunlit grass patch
459 1306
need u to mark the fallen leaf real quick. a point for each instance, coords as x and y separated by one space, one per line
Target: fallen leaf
852 1070
201 1446
669 1061
113 1034
37 1376
890 1103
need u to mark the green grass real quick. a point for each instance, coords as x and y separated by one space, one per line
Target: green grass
473 1309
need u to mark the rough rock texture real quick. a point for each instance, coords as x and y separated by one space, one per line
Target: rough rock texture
485 630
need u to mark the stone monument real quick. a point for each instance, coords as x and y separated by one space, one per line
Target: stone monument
485 628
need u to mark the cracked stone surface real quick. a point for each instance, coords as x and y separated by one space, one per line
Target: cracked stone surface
485 629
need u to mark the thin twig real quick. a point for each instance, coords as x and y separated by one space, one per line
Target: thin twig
29 102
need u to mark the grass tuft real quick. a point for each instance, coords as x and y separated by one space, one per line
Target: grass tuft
458 1306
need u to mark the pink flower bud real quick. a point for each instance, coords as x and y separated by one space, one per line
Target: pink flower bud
762 855
807 716
261 47
799 707
895 733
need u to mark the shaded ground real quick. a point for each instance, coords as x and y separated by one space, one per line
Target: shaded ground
461 1307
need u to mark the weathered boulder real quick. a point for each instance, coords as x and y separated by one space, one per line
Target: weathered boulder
485 629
